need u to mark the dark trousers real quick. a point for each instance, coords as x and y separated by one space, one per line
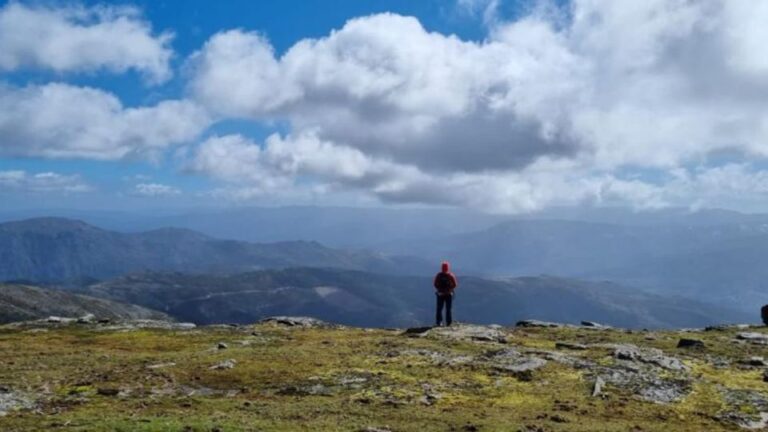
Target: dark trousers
447 301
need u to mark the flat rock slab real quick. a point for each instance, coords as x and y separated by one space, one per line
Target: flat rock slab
726 327
436 357
648 382
753 337
515 363
291 321
747 409
646 372
537 323
226 364
595 325
470 333
147 324
648 355
570 346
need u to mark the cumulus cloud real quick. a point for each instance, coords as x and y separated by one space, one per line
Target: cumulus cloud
304 165
73 39
19 180
64 121
557 106
154 190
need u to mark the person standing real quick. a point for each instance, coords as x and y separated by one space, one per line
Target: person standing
445 284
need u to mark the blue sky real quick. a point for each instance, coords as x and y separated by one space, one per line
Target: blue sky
193 22
497 105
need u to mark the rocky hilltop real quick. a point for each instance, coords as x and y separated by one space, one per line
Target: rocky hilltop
24 302
287 374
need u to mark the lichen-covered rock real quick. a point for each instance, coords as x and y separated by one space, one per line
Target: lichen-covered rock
438 358
226 364
747 409
292 321
648 355
515 363
537 323
470 332
753 337
570 346
13 401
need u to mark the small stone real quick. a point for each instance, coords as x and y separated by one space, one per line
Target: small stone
222 346
570 346
756 361
161 365
558 419
107 391
690 343
226 364
597 389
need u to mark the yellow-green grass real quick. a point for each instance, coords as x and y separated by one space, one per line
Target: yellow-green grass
274 366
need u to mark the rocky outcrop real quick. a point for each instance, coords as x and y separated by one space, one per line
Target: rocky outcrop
294 321
25 303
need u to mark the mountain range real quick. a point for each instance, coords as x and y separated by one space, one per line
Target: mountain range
713 257
714 262
56 250
376 300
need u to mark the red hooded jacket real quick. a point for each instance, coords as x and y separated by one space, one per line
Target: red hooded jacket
445 282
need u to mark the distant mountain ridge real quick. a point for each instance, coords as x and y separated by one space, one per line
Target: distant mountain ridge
56 249
374 300
716 262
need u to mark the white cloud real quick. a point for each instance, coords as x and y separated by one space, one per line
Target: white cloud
73 39
64 121
547 110
19 180
154 190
